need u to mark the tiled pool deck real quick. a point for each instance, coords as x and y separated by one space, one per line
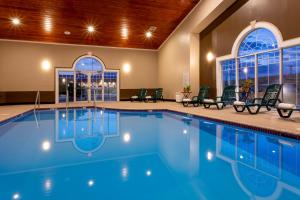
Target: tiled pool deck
267 121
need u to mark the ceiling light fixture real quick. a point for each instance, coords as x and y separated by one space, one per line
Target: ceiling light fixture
148 34
16 21
90 29
150 31
67 33
48 24
124 33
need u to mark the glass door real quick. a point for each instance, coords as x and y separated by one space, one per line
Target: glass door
96 86
65 83
82 87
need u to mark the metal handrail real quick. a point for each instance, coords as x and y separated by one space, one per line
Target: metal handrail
67 100
37 100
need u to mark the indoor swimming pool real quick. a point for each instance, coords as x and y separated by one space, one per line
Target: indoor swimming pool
92 153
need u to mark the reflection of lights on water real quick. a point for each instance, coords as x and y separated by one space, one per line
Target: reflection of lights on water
48 184
124 172
91 183
63 115
101 112
273 151
127 137
16 196
241 157
245 70
89 154
148 173
184 131
82 129
46 145
209 155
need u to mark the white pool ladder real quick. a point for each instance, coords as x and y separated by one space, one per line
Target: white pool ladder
37 100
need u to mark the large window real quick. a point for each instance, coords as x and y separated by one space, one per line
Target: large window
228 72
88 80
258 62
291 74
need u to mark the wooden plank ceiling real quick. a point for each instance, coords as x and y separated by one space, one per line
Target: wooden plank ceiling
117 23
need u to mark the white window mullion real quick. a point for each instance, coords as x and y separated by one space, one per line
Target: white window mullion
256 77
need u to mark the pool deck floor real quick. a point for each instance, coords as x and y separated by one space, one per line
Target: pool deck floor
264 120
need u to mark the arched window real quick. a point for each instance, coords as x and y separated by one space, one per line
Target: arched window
88 64
88 80
256 63
259 40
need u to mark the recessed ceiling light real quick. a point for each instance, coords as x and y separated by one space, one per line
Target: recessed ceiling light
67 33
124 33
47 24
91 29
15 21
148 34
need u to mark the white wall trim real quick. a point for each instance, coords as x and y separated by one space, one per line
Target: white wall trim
78 45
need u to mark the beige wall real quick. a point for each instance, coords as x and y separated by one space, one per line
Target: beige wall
20 64
178 57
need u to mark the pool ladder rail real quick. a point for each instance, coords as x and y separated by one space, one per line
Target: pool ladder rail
37 100
67 100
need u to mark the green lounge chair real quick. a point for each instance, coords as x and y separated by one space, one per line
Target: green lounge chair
197 100
227 98
140 96
269 100
157 95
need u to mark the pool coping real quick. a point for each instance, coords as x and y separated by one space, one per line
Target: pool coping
251 127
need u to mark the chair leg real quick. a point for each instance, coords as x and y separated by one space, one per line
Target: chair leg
253 112
185 104
287 115
220 107
237 108
206 105
196 104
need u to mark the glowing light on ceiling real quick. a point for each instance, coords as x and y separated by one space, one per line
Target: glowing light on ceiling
124 33
16 21
90 29
48 24
148 34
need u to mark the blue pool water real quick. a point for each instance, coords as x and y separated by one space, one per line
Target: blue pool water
96 154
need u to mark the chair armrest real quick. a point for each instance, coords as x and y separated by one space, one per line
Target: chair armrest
218 97
268 103
194 98
256 99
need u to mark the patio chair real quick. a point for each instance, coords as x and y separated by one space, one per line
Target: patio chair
269 100
227 98
197 100
285 110
157 95
140 95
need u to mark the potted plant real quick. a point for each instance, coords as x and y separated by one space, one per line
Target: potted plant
187 88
